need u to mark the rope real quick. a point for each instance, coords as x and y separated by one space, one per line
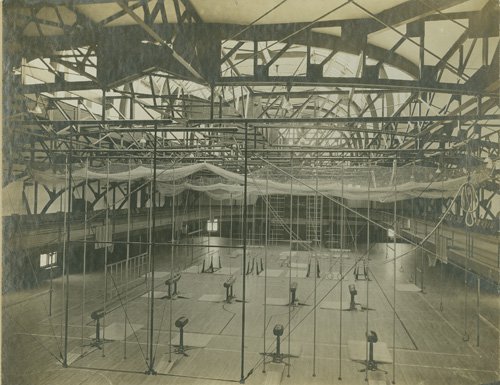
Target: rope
420 244
348 208
34 338
159 333
347 272
127 318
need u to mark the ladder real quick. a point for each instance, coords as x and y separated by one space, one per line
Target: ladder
313 220
276 218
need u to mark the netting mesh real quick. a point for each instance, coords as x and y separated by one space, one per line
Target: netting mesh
383 184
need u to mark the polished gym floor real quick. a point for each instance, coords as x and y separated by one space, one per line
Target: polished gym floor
435 331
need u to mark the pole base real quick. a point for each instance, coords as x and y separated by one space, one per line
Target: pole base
150 372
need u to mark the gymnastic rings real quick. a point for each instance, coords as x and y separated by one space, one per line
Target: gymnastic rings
470 203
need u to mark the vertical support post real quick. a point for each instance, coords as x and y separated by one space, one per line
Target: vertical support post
253 239
315 281
129 189
290 263
67 254
478 308
265 268
35 200
153 243
103 113
84 288
220 220
341 267
422 265
245 214
485 51
172 251
394 271
367 259
231 220
468 249
50 291
212 101
106 222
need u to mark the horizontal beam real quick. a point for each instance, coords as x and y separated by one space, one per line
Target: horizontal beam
31 3
168 129
360 120
394 85
262 121
339 129
331 91
27 89
325 149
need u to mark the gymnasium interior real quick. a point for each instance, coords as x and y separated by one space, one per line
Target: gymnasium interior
254 192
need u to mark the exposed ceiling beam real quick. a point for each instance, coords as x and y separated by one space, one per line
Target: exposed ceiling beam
159 39
409 11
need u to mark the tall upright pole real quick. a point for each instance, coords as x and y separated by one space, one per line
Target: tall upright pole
396 231
153 240
265 267
341 268
67 255
106 247
84 288
129 206
245 214
367 259
290 266
315 277
171 299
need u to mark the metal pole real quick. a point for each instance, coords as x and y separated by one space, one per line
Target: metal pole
127 262
67 257
171 277
265 267
106 221
315 284
341 268
62 208
243 302
290 263
149 248
231 215
396 231
153 238
367 259
478 308
84 246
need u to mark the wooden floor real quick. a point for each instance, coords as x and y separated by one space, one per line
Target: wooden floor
434 344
